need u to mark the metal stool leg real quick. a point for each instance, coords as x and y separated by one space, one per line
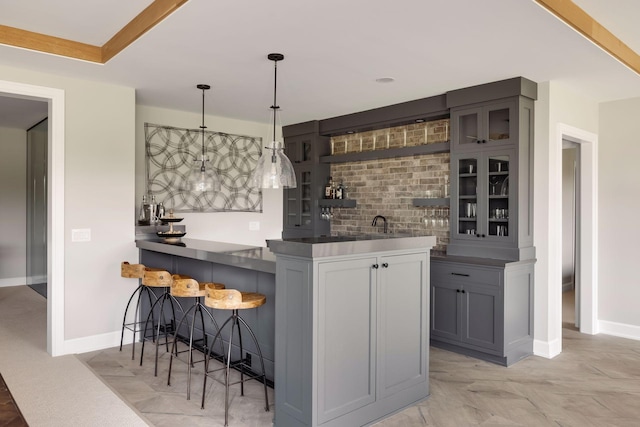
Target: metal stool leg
236 320
161 320
197 308
208 356
264 372
133 326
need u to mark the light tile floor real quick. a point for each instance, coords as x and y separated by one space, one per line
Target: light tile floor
595 381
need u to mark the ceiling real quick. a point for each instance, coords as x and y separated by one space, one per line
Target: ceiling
334 51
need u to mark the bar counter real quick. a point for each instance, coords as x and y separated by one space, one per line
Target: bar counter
241 256
241 267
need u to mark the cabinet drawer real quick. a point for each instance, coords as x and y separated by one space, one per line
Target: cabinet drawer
467 273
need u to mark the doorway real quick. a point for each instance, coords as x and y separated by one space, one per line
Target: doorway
586 226
55 206
36 254
570 248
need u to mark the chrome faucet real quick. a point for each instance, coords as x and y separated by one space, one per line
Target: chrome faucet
375 222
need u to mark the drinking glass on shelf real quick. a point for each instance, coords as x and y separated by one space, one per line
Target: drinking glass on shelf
493 181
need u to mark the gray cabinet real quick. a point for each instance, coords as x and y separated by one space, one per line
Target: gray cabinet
483 309
492 124
356 337
301 214
491 185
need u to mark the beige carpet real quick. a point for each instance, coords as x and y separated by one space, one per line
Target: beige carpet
50 391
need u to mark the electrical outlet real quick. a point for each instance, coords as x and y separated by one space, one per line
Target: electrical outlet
81 235
254 225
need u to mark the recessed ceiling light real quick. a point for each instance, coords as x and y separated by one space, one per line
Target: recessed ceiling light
385 80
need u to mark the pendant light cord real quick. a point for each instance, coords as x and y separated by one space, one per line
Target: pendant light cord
275 90
202 126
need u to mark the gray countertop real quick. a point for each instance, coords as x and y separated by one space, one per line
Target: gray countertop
316 247
242 256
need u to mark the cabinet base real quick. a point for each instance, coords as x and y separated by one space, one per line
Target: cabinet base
514 355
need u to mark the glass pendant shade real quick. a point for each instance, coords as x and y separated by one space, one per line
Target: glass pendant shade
274 169
202 177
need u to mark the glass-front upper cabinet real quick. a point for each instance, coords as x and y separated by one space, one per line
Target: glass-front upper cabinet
481 203
467 197
298 201
498 197
485 124
299 150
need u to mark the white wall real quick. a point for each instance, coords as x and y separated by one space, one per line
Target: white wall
220 226
556 105
619 184
13 206
99 163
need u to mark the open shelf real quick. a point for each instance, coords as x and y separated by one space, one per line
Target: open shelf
432 201
337 203
435 148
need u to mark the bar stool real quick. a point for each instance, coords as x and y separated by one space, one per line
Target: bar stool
231 299
161 279
189 288
135 271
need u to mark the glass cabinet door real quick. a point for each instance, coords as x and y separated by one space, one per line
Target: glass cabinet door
498 123
466 127
305 201
498 168
467 218
298 201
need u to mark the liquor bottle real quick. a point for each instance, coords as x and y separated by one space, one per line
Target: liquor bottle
328 189
153 206
160 211
340 190
142 216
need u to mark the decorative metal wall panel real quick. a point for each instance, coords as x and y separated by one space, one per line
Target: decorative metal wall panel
169 155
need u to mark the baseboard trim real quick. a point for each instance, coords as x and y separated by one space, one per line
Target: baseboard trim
95 342
621 330
547 349
13 281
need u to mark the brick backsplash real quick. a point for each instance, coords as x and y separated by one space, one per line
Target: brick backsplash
388 186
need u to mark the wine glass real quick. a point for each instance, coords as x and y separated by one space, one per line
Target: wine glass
493 181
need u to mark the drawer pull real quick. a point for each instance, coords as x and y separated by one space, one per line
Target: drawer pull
460 274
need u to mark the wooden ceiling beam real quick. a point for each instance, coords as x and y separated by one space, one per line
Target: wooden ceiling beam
49 44
147 19
582 22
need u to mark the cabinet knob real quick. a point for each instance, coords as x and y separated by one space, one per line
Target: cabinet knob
484 141
463 291
385 265
374 266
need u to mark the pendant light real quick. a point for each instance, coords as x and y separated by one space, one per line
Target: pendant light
202 178
274 169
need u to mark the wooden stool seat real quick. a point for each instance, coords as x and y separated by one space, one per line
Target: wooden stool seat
158 278
231 299
188 287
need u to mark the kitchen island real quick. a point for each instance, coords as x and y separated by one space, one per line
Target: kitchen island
352 328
